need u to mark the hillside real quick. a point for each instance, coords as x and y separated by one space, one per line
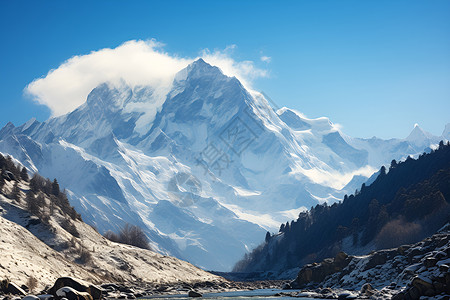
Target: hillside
406 272
405 205
53 241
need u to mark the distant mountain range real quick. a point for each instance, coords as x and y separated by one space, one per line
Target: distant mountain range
205 169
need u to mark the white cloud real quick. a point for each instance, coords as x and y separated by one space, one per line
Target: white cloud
245 71
136 62
266 59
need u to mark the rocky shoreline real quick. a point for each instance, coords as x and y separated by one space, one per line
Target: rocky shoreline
67 288
74 289
410 272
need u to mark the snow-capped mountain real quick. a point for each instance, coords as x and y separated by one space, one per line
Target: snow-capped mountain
205 169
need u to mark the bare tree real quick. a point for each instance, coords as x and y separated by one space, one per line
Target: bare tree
130 235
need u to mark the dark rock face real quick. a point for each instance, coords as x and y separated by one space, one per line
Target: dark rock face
78 285
318 272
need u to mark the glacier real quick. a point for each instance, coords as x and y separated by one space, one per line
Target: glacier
206 170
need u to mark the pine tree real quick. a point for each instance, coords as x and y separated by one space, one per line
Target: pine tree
382 171
286 227
24 174
55 187
15 193
268 237
32 206
2 181
37 183
393 164
40 200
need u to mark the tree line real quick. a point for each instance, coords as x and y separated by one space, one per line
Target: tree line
404 204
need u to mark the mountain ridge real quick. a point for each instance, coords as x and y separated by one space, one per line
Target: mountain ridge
208 129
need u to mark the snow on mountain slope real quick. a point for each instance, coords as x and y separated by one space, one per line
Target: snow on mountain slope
206 171
47 251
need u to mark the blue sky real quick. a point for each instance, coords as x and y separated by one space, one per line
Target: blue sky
375 67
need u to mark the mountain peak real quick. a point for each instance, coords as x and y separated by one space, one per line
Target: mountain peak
201 68
418 135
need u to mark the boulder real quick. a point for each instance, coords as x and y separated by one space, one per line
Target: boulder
45 297
110 286
378 258
422 284
73 294
318 272
194 294
79 285
8 176
430 262
367 290
33 220
14 289
286 286
30 297
126 290
399 296
443 268
414 293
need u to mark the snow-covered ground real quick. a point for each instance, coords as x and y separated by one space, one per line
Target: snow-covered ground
30 248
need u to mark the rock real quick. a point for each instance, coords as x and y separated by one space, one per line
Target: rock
399 296
378 258
126 290
430 262
367 290
194 294
346 295
414 293
45 297
340 258
443 268
33 220
112 286
73 294
8 176
440 255
14 289
286 286
422 284
318 272
30 297
79 285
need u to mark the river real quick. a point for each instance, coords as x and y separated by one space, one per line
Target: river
265 294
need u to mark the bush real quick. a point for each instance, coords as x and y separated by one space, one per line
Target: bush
398 232
130 235
85 256
70 227
32 283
